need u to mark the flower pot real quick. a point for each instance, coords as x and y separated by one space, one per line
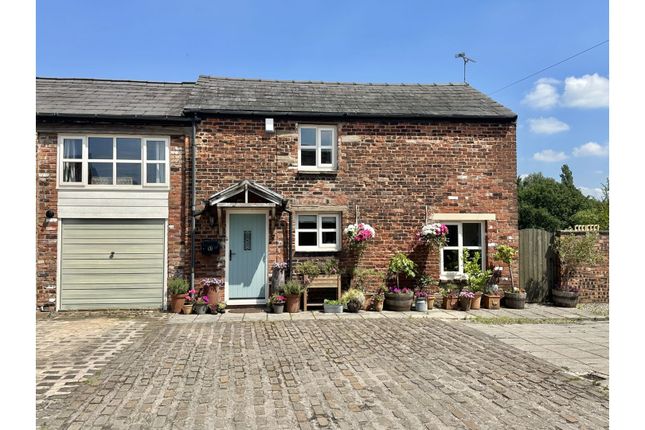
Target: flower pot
200 308
565 299
449 303
398 302
430 302
278 308
333 309
378 306
514 300
490 301
353 306
367 303
475 302
187 308
212 297
176 302
421 305
464 303
293 303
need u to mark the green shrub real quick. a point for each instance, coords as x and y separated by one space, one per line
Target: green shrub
332 302
293 288
477 278
400 264
178 286
576 250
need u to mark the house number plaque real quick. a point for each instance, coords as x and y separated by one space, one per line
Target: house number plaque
247 240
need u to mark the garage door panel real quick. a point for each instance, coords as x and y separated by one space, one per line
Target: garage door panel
112 264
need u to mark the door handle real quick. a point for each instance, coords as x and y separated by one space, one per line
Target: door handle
230 255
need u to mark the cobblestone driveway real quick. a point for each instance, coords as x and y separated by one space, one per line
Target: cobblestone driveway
380 373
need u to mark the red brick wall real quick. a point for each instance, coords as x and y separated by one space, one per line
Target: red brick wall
593 281
390 169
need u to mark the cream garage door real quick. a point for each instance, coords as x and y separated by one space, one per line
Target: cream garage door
112 264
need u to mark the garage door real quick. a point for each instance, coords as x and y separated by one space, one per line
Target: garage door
112 264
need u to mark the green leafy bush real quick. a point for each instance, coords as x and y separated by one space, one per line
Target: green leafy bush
399 265
576 250
332 302
293 288
477 278
506 253
178 286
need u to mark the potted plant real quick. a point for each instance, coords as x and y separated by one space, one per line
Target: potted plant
491 297
397 298
178 288
378 299
424 283
278 275
421 301
364 280
435 234
450 296
353 298
333 306
359 235
292 290
276 302
516 297
477 278
465 298
200 305
210 289
574 250
189 301
221 307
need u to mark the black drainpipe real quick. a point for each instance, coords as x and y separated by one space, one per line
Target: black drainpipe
193 196
290 241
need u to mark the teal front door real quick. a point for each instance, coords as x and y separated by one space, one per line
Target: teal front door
247 257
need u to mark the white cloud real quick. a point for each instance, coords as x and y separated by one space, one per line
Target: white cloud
544 95
592 192
591 149
588 91
524 175
548 125
549 156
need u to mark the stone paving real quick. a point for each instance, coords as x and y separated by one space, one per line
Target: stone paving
357 372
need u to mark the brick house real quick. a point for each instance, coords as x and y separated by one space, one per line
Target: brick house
273 171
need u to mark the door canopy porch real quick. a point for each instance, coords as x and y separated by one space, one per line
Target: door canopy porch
246 194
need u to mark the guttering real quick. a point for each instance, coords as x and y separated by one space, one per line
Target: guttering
71 116
290 240
193 197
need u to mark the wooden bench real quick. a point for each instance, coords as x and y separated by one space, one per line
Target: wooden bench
329 282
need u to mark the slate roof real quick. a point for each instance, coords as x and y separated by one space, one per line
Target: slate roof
110 98
173 100
225 95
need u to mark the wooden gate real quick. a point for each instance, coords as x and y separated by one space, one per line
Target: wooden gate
537 263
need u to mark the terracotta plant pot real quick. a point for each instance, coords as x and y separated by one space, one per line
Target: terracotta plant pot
367 304
187 309
398 302
177 302
565 299
450 303
293 303
475 302
378 306
490 301
514 300
464 303
430 301
212 298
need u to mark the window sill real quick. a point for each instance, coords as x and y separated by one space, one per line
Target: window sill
317 171
113 187
316 250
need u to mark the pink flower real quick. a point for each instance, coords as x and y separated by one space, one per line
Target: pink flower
205 299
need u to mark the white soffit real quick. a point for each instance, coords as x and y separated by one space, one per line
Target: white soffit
464 217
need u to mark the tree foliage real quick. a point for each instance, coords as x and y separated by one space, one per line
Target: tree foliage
552 205
575 250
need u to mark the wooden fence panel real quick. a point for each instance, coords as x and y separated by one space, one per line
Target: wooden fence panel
537 263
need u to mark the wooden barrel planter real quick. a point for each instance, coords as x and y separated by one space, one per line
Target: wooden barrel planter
514 300
398 302
564 299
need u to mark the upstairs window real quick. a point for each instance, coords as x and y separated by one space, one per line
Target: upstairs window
317 232
317 148
116 161
461 236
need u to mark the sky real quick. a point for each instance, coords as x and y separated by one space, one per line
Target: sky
562 112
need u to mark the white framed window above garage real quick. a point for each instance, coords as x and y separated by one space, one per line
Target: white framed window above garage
318 232
317 148
462 236
113 161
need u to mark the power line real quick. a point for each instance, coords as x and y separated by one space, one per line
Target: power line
549 67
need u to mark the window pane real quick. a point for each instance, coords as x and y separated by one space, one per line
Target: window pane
72 172
308 157
307 238
325 156
307 222
329 222
128 174
472 234
453 235
329 237
450 260
128 149
156 173
99 173
73 148
308 136
100 148
326 138
156 150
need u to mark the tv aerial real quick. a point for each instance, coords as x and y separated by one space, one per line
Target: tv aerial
467 60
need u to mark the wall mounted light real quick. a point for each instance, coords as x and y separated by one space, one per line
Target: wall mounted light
50 214
268 125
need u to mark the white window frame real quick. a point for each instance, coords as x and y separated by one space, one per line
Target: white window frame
319 167
460 249
85 162
320 247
